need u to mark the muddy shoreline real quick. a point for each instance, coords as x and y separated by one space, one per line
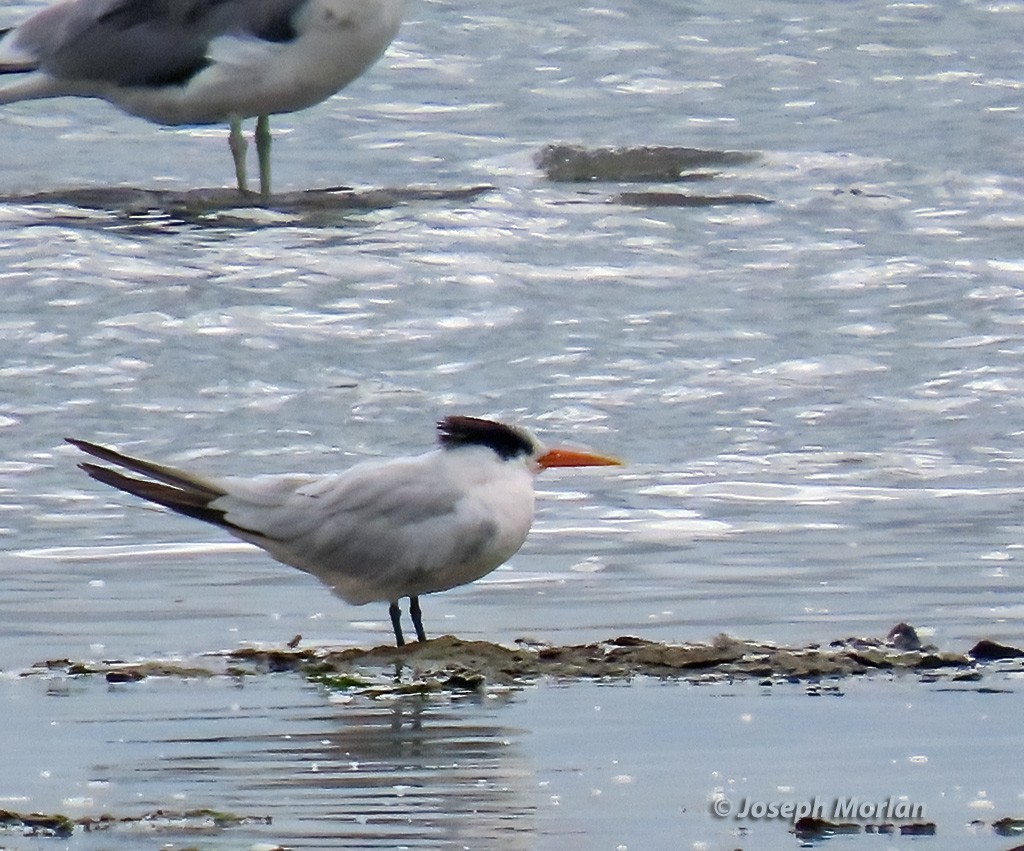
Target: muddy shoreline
452 670
448 663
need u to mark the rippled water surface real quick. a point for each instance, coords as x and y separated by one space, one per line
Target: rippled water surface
584 765
820 399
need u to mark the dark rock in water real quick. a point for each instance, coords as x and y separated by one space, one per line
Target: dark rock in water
576 164
1008 826
127 676
991 650
680 199
810 827
859 193
221 204
628 641
901 637
918 829
904 637
465 681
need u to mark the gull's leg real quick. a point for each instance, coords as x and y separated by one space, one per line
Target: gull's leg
396 623
238 145
263 152
417 618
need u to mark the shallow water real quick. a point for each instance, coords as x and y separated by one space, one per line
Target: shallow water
611 766
819 399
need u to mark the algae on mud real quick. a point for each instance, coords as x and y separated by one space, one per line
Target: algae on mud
60 826
449 664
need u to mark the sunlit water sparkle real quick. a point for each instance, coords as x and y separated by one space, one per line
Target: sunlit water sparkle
820 399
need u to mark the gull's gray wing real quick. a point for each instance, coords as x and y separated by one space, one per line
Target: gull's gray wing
143 42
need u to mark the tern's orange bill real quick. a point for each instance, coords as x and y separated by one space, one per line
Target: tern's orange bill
575 458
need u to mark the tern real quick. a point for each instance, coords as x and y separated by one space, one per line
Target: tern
382 530
179 62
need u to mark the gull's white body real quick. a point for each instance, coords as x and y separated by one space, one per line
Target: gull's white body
381 530
389 529
78 48
197 61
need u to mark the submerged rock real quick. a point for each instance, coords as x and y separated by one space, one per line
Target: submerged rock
681 199
225 205
650 163
646 164
991 650
1009 826
810 828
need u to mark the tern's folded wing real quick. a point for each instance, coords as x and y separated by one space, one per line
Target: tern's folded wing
368 533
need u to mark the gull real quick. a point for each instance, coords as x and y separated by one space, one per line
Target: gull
382 530
179 62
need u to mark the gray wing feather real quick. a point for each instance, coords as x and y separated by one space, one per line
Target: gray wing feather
145 42
362 533
375 532
287 508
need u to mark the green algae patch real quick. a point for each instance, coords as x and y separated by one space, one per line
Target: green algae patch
36 824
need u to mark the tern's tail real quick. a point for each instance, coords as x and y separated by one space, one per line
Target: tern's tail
167 486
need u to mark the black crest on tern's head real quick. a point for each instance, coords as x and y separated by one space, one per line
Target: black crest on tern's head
506 441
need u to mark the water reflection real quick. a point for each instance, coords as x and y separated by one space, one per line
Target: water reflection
410 770
413 773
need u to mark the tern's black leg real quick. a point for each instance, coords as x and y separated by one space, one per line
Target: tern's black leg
417 618
396 622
